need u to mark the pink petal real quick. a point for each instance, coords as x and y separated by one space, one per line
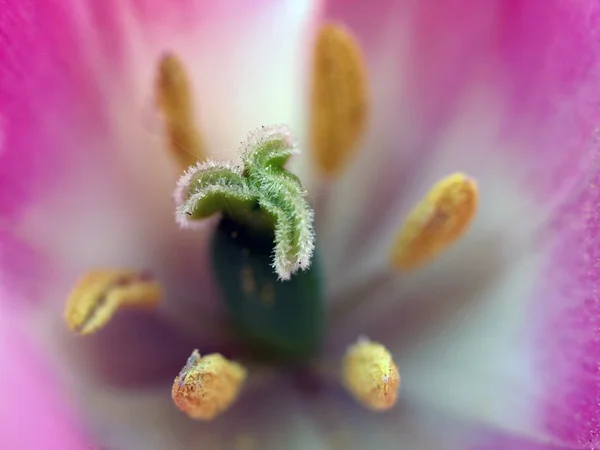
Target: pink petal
50 53
527 363
542 59
86 177
106 199
367 20
33 415
428 58
568 316
43 75
20 262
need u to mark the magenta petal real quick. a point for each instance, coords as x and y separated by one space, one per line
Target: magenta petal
20 262
32 413
364 18
44 82
59 60
540 62
543 61
569 307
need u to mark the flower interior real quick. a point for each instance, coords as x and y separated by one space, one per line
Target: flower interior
264 251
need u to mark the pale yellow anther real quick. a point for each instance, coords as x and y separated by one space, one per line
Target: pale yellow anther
207 385
436 222
174 98
339 98
99 294
370 375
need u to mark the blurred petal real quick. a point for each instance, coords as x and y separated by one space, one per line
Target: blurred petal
32 413
111 204
568 318
368 20
514 106
20 262
105 129
35 87
532 88
78 88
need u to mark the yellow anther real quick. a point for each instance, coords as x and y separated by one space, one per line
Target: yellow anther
207 385
174 98
370 375
339 107
437 221
99 294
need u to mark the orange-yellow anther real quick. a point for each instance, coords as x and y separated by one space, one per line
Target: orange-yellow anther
207 385
437 221
339 99
174 98
99 294
370 375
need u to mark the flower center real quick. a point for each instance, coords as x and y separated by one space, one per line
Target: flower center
263 239
263 251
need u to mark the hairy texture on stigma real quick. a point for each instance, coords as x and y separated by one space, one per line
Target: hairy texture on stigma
207 386
174 98
436 222
99 294
370 375
339 98
261 194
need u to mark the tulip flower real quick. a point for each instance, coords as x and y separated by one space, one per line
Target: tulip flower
299 224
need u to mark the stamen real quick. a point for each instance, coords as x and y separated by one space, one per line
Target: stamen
174 98
436 222
339 98
370 375
99 294
207 385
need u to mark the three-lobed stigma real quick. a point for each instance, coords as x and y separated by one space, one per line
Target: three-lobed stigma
260 193
264 236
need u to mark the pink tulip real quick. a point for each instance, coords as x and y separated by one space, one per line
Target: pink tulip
497 340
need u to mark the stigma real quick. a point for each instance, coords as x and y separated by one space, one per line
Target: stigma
101 293
260 194
207 385
370 375
436 222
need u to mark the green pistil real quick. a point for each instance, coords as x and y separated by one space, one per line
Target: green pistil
265 235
